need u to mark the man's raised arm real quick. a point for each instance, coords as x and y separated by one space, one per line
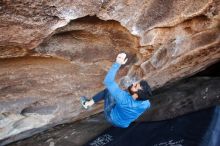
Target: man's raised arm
109 80
110 77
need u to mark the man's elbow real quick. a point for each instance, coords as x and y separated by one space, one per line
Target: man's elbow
149 104
106 82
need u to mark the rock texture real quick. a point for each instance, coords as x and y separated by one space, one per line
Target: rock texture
53 52
180 94
185 96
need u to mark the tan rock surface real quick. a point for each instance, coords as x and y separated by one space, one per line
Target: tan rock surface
39 91
50 55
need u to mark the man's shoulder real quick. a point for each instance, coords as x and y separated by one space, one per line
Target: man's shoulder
141 104
146 103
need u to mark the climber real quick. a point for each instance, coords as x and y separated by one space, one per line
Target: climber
121 107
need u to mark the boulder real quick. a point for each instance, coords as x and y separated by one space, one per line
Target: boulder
53 52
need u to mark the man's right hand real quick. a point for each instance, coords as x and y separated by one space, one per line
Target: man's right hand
121 58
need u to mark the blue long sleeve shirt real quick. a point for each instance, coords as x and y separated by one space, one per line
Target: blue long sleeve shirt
126 109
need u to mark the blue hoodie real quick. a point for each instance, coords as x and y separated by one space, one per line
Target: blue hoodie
126 109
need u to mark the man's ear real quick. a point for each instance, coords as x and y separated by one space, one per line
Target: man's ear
135 95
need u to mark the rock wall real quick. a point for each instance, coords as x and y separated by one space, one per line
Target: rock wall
53 52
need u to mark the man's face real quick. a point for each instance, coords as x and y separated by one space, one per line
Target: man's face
135 87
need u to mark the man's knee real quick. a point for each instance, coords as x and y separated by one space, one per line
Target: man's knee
106 90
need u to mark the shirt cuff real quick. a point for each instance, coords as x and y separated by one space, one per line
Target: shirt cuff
116 65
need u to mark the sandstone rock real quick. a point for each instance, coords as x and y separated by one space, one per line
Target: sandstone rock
25 24
53 52
89 40
179 94
185 96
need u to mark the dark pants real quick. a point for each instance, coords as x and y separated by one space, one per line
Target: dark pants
109 102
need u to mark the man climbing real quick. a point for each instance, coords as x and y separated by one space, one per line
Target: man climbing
121 107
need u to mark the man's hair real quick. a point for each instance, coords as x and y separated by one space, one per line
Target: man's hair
145 93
